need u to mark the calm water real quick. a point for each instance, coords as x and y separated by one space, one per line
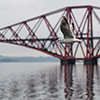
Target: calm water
49 81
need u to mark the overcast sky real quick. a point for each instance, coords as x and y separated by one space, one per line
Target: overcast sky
13 11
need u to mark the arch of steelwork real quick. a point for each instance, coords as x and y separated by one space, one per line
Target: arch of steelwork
88 49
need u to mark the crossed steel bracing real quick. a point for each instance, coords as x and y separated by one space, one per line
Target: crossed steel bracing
28 33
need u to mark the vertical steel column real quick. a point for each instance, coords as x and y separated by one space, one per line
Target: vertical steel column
89 34
91 26
66 56
69 46
87 46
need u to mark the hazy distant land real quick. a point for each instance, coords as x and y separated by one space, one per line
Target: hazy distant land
28 59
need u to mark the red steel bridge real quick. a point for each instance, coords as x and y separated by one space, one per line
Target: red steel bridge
41 32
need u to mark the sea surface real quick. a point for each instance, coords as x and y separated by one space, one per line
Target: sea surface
49 81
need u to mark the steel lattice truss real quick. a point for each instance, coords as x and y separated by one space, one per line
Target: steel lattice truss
30 33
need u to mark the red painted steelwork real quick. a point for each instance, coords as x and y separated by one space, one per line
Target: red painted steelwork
88 49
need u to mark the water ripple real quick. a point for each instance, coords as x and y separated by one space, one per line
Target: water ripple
53 82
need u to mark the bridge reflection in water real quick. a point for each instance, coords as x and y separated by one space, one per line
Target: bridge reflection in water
46 81
81 84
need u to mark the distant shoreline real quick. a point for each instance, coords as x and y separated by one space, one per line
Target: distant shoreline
28 59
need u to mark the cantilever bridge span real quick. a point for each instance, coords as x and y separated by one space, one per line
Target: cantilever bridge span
41 32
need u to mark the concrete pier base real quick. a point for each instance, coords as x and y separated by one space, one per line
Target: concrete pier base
92 62
66 62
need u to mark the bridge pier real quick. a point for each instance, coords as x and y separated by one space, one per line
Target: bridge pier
92 61
68 61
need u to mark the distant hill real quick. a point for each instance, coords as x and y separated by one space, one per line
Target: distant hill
28 59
